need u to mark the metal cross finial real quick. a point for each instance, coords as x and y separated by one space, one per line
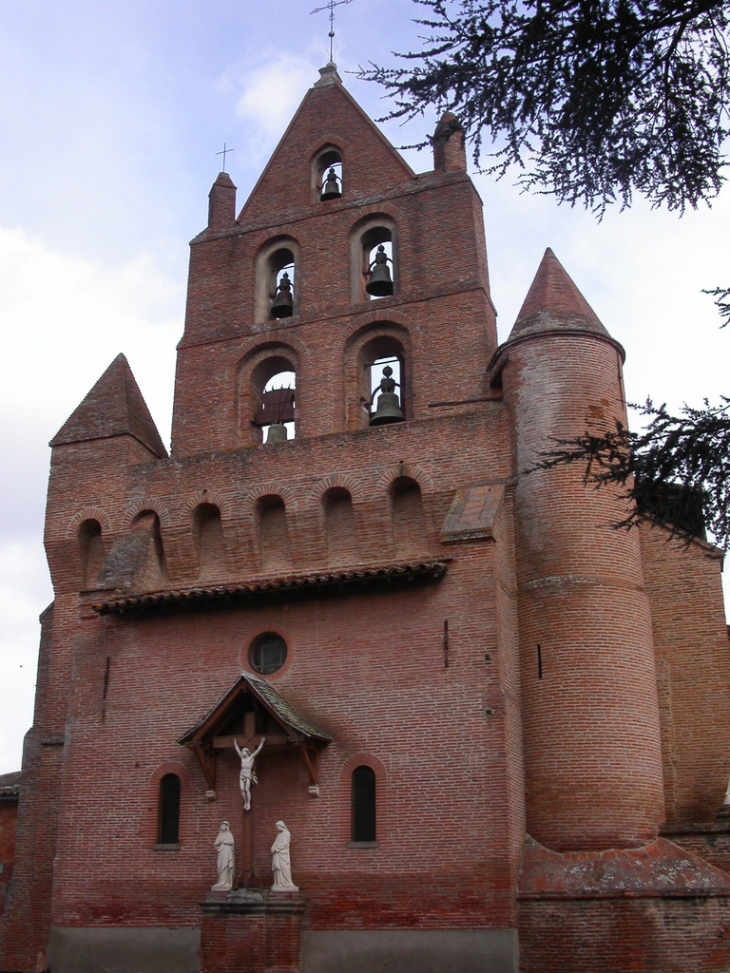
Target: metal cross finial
224 152
331 7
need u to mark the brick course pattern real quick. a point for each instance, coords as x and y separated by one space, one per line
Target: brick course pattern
534 711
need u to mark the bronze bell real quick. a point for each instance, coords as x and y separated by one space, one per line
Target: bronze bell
277 433
283 306
331 188
380 283
388 409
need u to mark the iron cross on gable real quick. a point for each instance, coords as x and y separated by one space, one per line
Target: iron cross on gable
331 7
224 152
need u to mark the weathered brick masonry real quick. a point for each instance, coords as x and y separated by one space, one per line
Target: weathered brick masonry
542 702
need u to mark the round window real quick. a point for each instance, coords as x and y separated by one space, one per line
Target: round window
268 653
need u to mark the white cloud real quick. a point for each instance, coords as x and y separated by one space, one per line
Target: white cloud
24 592
272 93
65 318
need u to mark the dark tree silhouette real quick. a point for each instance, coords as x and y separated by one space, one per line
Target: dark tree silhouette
594 101
677 470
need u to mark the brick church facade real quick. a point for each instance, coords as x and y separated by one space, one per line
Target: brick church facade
497 729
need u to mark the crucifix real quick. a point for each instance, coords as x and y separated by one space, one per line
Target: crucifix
224 152
331 7
246 779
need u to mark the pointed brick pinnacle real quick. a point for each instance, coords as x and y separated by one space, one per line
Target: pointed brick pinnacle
113 407
554 303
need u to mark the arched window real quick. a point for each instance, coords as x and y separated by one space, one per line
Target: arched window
168 832
91 550
363 804
374 258
327 175
277 280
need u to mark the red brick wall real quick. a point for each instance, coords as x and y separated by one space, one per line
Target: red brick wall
625 936
8 827
693 671
367 668
28 904
442 276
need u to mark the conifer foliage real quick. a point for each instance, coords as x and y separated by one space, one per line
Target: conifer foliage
594 100
676 470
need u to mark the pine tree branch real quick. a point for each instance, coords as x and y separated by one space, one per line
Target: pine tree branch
676 470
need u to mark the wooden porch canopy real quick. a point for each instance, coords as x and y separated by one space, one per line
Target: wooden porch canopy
250 709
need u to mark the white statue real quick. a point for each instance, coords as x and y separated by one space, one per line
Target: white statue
224 847
281 861
247 775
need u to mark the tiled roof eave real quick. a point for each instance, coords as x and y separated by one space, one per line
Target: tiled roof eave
282 584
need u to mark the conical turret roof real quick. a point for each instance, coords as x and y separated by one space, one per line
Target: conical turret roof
554 304
113 407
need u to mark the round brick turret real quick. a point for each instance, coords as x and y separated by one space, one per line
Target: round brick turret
589 695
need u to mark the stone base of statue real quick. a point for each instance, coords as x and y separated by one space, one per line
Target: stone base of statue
257 930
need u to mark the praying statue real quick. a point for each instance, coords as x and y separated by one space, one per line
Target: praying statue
224 847
281 861
247 775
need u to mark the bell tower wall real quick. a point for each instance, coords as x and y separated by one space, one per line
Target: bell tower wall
432 227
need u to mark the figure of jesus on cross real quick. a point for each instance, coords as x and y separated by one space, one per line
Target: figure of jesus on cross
247 776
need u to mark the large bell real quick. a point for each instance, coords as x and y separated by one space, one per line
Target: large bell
380 283
331 188
283 306
277 433
388 408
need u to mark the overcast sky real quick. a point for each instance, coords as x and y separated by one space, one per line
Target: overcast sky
111 114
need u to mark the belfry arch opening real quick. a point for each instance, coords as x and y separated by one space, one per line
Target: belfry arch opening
277 281
273 400
327 174
382 365
370 352
374 258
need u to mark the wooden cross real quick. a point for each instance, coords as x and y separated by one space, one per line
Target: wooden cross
224 152
331 7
